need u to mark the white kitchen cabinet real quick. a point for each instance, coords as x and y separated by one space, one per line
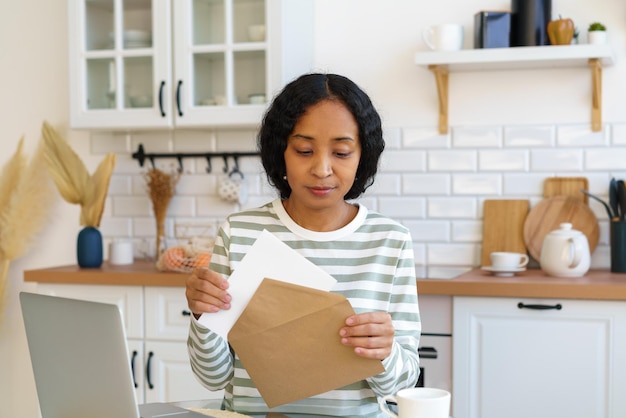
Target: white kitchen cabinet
157 323
138 64
540 358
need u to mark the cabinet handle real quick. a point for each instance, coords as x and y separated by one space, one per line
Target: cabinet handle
186 312
540 307
161 98
180 110
427 352
148 374
132 366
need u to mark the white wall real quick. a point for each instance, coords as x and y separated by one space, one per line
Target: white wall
535 121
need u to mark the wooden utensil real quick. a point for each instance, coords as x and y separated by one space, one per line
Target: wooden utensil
566 186
548 214
503 223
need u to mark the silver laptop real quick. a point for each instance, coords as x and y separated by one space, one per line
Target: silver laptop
80 361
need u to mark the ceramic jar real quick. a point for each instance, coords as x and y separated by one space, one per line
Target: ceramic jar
565 253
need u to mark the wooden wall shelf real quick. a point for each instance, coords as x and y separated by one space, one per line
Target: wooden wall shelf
441 63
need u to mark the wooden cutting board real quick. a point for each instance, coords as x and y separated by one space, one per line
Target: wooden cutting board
566 186
503 224
548 214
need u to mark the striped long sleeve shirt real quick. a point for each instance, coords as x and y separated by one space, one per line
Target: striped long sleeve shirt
372 260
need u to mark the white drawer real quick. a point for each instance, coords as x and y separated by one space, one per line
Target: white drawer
167 314
436 313
129 299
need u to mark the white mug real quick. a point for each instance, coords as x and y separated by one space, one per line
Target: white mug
418 403
504 260
444 37
121 253
233 188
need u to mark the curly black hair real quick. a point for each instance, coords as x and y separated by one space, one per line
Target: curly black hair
293 101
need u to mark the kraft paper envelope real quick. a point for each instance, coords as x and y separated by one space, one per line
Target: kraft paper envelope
288 340
268 257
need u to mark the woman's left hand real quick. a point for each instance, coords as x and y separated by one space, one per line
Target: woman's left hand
371 334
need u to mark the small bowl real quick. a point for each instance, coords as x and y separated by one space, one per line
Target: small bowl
256 98
256 33
141 101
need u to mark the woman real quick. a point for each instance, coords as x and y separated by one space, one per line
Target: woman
320 143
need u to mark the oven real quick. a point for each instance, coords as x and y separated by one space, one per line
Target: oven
435 348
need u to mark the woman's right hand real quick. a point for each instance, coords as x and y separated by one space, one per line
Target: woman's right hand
206 291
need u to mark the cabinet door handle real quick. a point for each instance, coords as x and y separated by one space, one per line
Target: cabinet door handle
132 366
178 88
161 98
539 307
427 352
148 373
186 313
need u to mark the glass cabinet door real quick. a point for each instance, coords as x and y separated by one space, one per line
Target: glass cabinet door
222 59
119 66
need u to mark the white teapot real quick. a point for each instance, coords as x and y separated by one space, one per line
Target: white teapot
565 252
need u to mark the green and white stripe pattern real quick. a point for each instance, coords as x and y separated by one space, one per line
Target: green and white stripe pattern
372 260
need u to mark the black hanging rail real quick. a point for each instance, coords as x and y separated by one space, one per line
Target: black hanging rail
141 156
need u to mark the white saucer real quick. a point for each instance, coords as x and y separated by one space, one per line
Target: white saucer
503 272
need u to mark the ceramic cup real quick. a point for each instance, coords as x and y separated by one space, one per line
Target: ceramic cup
121 252
506 260
444 37
233 188
418 403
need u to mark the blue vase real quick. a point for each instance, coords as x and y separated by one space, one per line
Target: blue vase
89 247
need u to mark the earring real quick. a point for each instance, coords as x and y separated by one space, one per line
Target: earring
285 178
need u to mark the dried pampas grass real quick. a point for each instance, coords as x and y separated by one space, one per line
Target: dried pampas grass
26 194
161 189
72 179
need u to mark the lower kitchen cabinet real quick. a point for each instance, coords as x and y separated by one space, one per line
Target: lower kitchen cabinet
540 358
156 321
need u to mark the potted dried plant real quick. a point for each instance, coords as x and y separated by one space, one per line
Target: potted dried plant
596 34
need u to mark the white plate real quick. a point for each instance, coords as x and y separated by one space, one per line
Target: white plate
503 272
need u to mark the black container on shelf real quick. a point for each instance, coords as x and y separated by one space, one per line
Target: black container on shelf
492 29
529 22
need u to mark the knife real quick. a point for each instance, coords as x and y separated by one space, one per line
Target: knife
621 199
613 198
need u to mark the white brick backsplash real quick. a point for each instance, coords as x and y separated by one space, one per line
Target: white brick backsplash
581 136
556 160
529 136
433 184
392 137
452 160
451 207
116 227
402 207
120 185
451 254
385 185
476 136
429 231
403 161
502 160
193 141
424 138
131 206
196 184
426 184
182 206
604 159
476 184
467 231
516 185
618 134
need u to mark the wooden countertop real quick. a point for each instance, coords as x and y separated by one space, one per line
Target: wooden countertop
534 283
140 273
595 285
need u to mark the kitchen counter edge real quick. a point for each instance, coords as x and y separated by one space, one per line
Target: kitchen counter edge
595 285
